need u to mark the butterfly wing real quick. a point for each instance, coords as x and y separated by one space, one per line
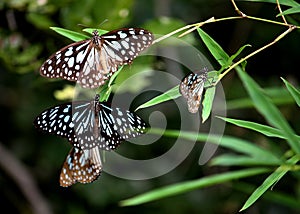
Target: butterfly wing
194 98
68 62
57 120
118 125
91 62
191 87
123 45
82 166
111 50
89 124
85 125
111 127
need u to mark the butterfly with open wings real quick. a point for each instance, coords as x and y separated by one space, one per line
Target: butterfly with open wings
89 124
91 62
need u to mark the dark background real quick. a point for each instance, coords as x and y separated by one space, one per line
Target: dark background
26 41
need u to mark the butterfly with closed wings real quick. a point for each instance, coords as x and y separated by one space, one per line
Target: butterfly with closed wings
83 166
191 88
91 62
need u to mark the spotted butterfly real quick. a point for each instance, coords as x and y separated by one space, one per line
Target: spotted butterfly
82 166
89 124
191 88
90 62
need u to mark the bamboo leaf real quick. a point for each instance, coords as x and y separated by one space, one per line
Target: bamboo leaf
231 58
207 103
264 105
263 129
241 160
187 186
215 49
293 91
173 93
270 181
235 144
75 36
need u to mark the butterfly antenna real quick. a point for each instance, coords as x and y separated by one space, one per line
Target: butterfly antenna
105 20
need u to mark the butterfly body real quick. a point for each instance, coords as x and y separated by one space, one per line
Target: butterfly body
91 62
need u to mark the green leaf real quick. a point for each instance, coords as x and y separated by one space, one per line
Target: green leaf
264 105
114 76
263 129
91 30
290 11
235 144
207 103
293 91
241 160
75 36
231 58
279 96
187 186
215 49
270 181
169 95
274 196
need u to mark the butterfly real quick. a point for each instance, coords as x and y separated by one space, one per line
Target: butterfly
82 166
91 62
191 88
89 124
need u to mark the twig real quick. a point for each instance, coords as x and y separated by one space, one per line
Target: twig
279 8
238 10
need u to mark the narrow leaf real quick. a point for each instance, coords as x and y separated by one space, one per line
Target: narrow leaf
290 11
235 144
75 36
293 91
263 129
238 52
276 197
169 95
279 96
270 181
241 160
264 105
207 103
187 186
215 49
90 30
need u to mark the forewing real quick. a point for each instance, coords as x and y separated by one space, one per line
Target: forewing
123 45
68 62
57 120
82 166
117 125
